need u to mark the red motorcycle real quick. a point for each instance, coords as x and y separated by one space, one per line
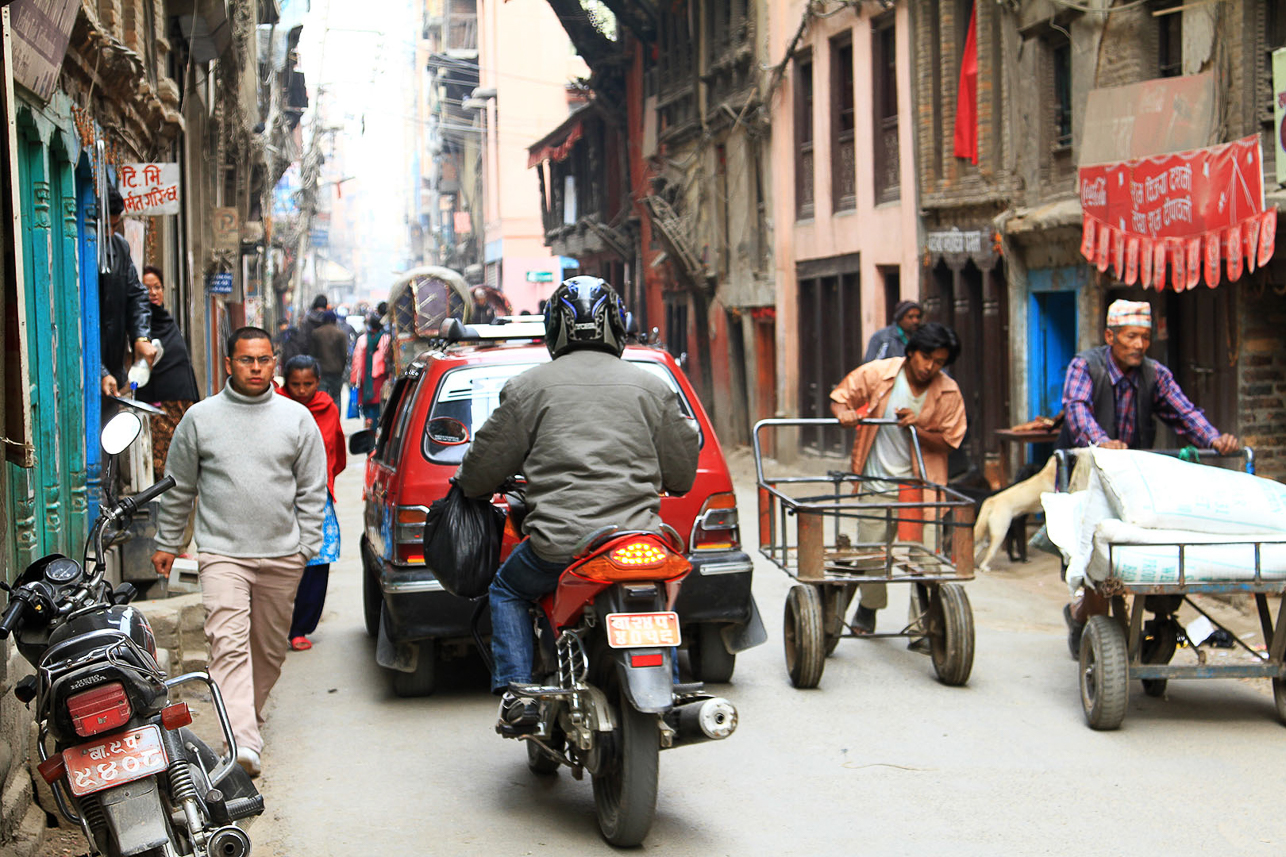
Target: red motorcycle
608 700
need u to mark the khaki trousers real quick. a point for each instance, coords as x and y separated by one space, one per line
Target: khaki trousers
248 604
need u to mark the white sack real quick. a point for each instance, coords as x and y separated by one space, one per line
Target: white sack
1141 555
1162 492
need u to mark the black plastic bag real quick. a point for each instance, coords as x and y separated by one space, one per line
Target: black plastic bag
462 542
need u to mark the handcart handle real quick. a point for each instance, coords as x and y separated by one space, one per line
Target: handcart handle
830 421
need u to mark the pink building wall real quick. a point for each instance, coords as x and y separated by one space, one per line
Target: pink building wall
884 235
525 54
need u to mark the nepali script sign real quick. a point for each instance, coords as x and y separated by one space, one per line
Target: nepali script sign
1193 213
150 189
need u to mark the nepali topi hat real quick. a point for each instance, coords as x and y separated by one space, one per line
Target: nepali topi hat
1129 314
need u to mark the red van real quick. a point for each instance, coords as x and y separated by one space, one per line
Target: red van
415 620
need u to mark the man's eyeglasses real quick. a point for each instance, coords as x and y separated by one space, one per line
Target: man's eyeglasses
250 361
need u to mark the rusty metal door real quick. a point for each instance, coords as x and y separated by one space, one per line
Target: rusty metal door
830 346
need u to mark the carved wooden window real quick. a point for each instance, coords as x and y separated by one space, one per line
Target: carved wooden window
676 72
1060 54
804 135
728 50
884 80
843 161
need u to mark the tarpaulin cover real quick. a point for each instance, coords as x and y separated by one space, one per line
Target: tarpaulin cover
1183 213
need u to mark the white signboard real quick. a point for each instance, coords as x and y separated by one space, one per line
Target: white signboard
150 189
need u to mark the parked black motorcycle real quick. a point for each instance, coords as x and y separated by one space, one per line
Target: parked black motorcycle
122 764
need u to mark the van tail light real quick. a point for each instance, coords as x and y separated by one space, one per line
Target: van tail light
101 709
716 527
638 559
408 534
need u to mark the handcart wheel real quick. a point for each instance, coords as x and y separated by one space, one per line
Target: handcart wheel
837 599
1159 644
952 637
804 636
1279 696
1105 673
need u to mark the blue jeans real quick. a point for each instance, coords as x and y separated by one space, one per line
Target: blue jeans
522 579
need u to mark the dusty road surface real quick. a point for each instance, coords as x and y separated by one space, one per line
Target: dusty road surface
881 759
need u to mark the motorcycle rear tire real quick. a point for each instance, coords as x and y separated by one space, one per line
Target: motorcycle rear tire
625 792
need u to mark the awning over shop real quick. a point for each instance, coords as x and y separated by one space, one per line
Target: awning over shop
1190 212
557 144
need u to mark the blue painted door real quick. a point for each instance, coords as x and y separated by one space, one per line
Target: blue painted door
1052 345
90 329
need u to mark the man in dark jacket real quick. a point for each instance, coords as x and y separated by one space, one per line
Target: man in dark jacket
123 308
316 316
330 347
891 341
597 439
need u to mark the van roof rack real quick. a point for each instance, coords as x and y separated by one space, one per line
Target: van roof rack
503 328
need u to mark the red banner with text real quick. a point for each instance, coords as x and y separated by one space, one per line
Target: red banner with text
1179 218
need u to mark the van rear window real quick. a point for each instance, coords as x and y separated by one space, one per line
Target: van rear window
470 393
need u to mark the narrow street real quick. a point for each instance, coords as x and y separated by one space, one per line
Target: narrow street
881 759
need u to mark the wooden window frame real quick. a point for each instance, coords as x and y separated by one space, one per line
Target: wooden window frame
843 124
805 203
884 100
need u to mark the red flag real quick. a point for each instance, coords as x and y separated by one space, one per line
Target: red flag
1087 238
1104 239
1233 250
1250 240
1158 264
1145 262
966 135
1178 276
1267 235
1212 259
1193 263
1118 254
1132 260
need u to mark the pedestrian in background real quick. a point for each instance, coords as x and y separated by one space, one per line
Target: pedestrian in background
891 341
258 462
370 369
313 320
172 385
288 342
303 378
123 308
330 347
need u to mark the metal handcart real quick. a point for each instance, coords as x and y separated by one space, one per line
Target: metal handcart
1122 646
808 528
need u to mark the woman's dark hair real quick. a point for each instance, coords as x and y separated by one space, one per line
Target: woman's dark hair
932 336
302 363
154 271
245 333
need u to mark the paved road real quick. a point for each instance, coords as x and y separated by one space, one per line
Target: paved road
880 760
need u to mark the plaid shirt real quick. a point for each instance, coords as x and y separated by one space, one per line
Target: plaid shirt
1169 404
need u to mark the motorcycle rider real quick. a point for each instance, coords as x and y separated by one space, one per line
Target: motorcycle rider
597 439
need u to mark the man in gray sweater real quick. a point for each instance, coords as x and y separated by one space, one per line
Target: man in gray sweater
259 465
597 439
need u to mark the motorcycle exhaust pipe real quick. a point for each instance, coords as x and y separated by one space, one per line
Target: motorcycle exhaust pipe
229 841
703 720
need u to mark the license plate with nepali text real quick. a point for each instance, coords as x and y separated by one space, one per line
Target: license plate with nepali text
121 758
638 630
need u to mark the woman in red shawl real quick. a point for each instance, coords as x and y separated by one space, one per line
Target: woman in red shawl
303 375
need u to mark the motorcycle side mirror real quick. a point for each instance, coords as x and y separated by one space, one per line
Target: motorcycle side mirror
120 431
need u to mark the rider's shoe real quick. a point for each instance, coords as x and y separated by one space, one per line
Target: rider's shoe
1074 631
864 620
518 714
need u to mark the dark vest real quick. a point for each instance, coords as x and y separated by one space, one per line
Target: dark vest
1103 397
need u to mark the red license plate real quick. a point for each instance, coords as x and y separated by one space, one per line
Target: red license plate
639 630
112 761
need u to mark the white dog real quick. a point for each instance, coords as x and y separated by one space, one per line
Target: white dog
999 510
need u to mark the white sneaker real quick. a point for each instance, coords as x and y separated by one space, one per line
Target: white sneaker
249 761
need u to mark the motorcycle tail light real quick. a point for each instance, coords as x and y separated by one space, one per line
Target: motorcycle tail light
176 716
716 526
653 659
639 560
100 709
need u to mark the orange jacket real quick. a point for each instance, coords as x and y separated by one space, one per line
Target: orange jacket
870 385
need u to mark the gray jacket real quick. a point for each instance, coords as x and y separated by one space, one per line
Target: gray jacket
597 439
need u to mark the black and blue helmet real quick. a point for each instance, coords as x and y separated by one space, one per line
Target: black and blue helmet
584 312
